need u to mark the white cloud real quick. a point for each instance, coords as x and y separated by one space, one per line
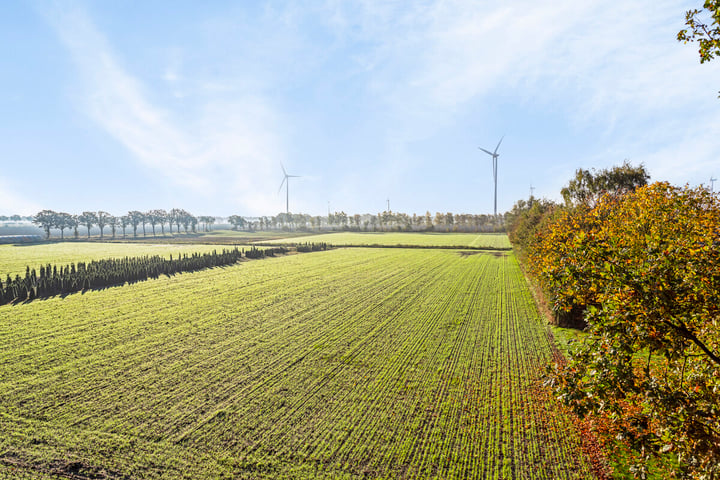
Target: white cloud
227 149
617 71
217 126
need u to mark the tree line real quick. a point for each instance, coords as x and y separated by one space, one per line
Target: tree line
383 221
637 267
175 219
50 219
50 280
15 218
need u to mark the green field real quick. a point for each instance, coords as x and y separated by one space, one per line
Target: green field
350 363
461 240
14 259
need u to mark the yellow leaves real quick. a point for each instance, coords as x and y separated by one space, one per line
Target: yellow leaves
658 239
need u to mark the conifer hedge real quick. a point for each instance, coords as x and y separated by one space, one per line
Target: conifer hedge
50 280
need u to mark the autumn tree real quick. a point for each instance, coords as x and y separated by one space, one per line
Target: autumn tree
647 265
526 220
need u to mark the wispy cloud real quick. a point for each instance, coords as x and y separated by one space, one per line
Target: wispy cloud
355 87
213 152
617 72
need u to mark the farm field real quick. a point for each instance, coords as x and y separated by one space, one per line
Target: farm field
460 240
14 259
350 363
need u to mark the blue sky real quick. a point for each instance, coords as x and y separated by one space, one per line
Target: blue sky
137 105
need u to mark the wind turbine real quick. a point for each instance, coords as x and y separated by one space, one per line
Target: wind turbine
712 183
495 156
287 187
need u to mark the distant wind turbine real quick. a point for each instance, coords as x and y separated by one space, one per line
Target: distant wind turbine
494 156
712 183
287 187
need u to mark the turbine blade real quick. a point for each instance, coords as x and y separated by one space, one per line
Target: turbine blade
282 183
283 169
501 139
294 176
489 153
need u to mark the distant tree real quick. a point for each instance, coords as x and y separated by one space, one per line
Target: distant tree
45 219
102 220
428 220
162 217
176 216
62 221
88 219
588 186
113 223
74 224
237 221
371 221
205 221
136 218
171 218
186 219
155 217
210 222
439 219
143 222
125 220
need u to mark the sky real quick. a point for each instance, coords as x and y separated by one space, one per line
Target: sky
139 105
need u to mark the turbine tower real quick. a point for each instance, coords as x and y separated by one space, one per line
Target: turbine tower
287 187
494 156
712 183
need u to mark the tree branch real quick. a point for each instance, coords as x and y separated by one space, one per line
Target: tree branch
685 332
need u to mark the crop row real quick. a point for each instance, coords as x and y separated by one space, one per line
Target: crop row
341 364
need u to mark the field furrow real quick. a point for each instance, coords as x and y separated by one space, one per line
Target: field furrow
350 363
